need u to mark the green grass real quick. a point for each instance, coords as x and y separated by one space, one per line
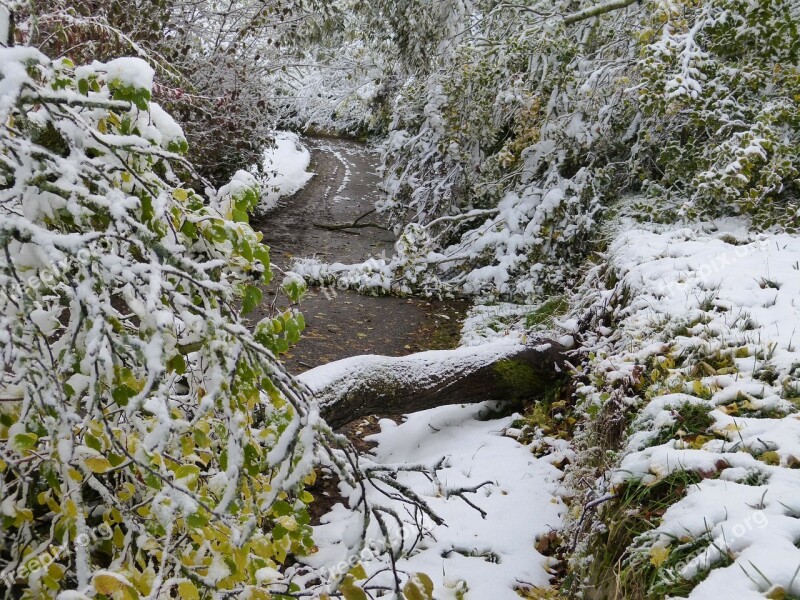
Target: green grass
547 312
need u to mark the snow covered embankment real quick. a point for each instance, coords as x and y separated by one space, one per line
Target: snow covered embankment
284 170
710 334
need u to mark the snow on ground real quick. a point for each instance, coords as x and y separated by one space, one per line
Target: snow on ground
285 169
719 309
486 556
499 321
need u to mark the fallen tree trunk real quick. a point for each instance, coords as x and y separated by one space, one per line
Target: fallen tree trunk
366 385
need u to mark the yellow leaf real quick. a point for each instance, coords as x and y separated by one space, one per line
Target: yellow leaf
180 194
700 441
351 592
731 427
426 583
771 458
412 592
97 464
658 556
56 571
358 572
107 584
776 593
188 591
119 537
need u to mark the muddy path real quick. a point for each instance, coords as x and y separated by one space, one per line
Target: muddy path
342 323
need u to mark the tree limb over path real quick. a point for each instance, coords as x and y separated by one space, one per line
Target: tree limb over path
597 10
366 385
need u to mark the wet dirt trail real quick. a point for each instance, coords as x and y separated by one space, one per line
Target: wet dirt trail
342 323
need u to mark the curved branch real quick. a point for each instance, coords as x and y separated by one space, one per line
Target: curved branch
597 10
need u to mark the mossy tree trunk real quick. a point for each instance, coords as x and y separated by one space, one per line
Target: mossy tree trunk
367 385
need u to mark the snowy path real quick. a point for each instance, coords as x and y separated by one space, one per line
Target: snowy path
342 323
471 556
474 555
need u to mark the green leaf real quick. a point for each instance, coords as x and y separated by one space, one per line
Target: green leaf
252 460
187 471
246 250
122 393
252 298
281 508
279 531
351 592
25 441
189 229
177 363
196 520
93 442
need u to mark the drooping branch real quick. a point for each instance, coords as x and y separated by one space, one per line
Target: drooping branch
597 10
365 385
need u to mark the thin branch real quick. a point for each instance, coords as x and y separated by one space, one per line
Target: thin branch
597 10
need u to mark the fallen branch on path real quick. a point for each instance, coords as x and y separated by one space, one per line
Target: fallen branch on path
366 385
354 225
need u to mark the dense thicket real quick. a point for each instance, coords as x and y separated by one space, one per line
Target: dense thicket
519 127
212 61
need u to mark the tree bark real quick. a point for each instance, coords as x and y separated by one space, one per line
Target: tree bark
366 385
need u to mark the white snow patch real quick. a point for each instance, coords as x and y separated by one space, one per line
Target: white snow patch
286 169
490 556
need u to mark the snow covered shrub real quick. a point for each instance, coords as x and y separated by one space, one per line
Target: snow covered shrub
720 103
210 64
150 445
499 152
518 136
343 87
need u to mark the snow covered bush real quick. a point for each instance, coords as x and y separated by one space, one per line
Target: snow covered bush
517 132
150 444
283 170
338 86
719 99
691 396
211 60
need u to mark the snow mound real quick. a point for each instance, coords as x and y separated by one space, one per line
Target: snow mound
285 169
711 327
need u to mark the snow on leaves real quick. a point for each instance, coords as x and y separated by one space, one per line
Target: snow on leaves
132 395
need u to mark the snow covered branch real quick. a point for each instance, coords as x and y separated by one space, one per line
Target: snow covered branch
597 10
365 385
